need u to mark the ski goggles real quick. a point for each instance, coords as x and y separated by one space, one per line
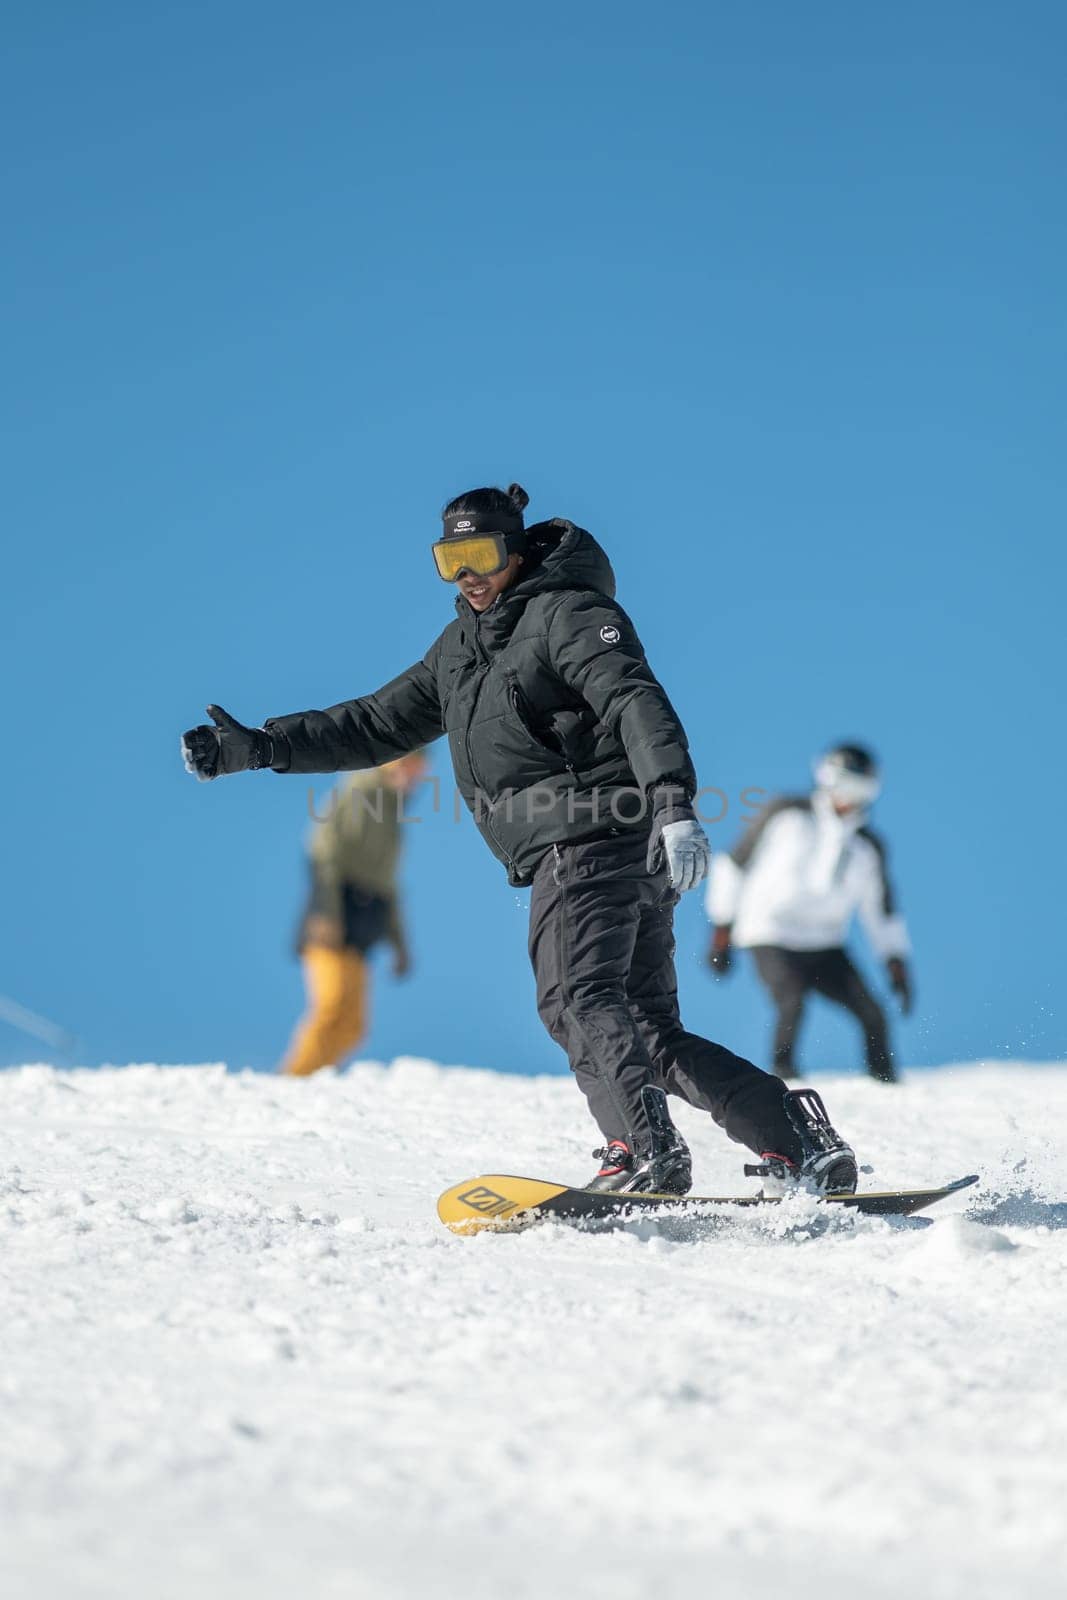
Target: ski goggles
479 553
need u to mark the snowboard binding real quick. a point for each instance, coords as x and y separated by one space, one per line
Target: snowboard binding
665 1167
828 1164
670 1161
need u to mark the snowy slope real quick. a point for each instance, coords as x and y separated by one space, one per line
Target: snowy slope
241 1358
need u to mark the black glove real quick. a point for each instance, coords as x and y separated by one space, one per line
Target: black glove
227 747
900 983
721 951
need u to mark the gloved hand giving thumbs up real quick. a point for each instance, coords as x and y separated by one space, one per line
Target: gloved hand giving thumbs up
227 747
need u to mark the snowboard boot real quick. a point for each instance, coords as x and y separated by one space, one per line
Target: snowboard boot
616 1166
665 1167
828 1164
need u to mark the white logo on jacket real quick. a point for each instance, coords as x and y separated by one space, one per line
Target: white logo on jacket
609 634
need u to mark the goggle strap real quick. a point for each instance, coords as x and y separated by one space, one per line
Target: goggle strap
469 524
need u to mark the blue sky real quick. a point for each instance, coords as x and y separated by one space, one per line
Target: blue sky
768 296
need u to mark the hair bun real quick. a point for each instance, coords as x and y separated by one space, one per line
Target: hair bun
518 496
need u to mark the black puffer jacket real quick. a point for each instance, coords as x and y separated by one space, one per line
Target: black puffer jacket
558 729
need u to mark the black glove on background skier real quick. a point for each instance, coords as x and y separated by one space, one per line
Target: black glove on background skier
227 747
900 983
721 951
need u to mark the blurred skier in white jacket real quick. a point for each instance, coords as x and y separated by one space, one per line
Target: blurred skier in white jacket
788 892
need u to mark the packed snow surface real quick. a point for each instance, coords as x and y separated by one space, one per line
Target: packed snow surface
241 1357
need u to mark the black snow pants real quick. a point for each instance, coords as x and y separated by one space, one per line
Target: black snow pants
790 975
602 947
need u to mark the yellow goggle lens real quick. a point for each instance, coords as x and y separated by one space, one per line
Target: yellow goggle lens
483 555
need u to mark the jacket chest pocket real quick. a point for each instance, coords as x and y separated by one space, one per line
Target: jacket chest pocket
520 705
537 728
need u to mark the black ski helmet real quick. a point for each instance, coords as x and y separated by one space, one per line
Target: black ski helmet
855 758
850 773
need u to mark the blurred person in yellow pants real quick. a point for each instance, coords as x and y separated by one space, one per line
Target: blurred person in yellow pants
354 904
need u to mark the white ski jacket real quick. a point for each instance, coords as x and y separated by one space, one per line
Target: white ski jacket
798 875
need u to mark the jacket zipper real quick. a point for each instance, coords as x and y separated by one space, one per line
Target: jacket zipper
483 672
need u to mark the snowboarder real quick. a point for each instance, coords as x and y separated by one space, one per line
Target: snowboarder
788 891
570 756
353 905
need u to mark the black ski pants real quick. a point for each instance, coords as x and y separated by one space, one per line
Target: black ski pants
791 975
602 947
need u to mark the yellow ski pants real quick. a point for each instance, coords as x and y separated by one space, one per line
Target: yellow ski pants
336 1018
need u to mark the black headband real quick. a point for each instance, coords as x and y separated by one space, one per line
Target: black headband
468 524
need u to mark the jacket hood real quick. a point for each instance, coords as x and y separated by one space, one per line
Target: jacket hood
564 556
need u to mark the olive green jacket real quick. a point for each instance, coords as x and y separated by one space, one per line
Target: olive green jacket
355 853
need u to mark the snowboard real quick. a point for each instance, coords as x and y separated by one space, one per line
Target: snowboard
501 1204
